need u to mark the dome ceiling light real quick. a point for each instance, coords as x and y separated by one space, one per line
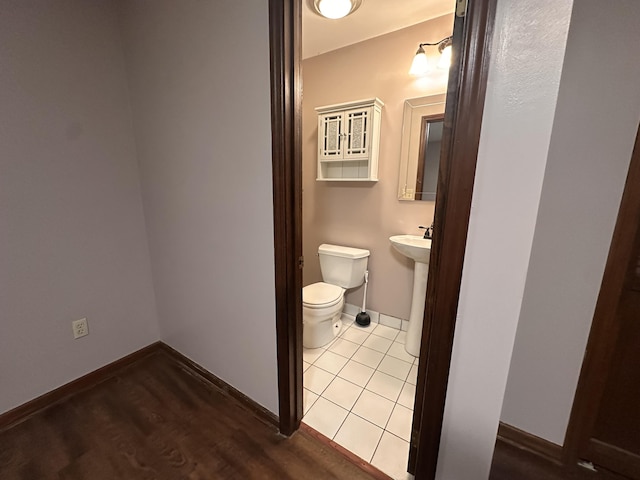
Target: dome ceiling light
335 9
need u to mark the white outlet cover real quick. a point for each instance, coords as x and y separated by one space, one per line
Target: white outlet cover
80 328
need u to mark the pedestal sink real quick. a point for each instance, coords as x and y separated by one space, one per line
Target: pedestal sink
419 250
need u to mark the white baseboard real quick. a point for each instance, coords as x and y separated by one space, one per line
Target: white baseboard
377 317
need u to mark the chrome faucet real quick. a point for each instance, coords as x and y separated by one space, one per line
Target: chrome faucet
428 231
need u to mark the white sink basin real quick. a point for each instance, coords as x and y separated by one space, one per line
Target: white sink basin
412 246
419 249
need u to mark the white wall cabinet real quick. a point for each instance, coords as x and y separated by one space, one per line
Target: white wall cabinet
348 141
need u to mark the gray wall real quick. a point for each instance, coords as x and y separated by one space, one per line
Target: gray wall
72 237
517 127
594 129
200 88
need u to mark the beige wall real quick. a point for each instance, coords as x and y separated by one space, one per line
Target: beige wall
365 215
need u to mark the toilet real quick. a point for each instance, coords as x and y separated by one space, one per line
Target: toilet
342 268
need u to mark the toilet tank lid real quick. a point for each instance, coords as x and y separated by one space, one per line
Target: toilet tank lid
339 251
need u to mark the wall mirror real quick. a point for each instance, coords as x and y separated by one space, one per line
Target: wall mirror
420 148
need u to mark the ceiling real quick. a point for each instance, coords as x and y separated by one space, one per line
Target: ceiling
373 18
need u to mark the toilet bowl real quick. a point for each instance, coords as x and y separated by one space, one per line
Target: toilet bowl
322 302
322 306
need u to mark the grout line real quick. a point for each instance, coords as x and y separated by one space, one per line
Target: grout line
375 369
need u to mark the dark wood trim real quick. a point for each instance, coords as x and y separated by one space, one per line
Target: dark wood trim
285 22
24 411
543 449
622 462
202 373
421 152
463 119
605 327
350 456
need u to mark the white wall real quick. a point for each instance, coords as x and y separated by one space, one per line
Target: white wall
72 237
200 91
593 134
521 97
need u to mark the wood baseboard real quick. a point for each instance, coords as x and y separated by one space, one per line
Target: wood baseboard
540 447
24 411
202 373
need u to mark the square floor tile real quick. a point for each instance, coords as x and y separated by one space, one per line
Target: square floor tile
310 355
402 337
368 357
355 335
412 378
331 362
356 373
325 417
380 344
374 408
407 395
308 399
385 385
391 366
342 393
344 347
386 332
359 436
400 422
391 456
316 379
366 328
305 365
397 350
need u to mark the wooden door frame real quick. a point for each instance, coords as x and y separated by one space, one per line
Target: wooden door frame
285 40
605 326
463 119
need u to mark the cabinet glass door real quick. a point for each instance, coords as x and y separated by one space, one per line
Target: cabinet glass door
357 141
331 128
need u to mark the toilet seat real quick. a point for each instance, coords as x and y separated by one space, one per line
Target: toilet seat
321 295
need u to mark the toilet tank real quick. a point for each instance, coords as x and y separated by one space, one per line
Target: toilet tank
343 266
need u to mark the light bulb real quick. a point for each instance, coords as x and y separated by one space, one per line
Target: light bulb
334 8
420 64
445 58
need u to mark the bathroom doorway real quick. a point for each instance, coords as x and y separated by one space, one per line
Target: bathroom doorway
466 90
359 388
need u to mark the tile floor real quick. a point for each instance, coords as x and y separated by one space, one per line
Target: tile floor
359 391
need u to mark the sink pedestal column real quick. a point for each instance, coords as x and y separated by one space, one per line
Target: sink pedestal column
414 332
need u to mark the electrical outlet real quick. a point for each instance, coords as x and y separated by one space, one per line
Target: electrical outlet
80 328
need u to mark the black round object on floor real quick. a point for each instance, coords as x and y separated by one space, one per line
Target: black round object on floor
363 319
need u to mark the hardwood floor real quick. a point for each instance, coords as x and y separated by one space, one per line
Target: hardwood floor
154 420
157 420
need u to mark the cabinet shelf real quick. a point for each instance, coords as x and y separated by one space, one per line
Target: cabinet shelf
348 141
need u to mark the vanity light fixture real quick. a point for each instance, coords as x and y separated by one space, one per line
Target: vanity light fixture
420 65
335 9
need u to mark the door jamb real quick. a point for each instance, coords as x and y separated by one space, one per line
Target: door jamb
285 21
461 137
